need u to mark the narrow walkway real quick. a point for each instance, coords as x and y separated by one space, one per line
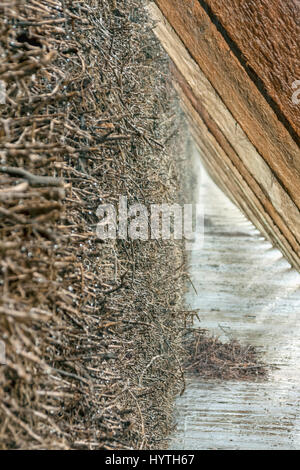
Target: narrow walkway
247 291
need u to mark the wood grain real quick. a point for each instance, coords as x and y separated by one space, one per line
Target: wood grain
240 95
232 159
267 33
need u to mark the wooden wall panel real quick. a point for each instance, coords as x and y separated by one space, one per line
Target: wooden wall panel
267 34
240 95
235 163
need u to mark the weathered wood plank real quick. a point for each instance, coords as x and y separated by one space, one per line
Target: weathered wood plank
266 33
261 195
240 95
272 198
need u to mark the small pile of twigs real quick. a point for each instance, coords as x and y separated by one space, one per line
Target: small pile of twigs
209 358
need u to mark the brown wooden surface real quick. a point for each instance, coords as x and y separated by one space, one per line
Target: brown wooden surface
267 33
231 158
241 96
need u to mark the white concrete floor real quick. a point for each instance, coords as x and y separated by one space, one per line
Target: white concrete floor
245 290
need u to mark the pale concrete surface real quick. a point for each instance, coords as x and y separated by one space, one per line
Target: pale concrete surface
246 290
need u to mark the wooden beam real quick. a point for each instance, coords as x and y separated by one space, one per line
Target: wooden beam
246 176
265 35
241 96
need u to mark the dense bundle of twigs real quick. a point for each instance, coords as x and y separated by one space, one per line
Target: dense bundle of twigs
90 328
